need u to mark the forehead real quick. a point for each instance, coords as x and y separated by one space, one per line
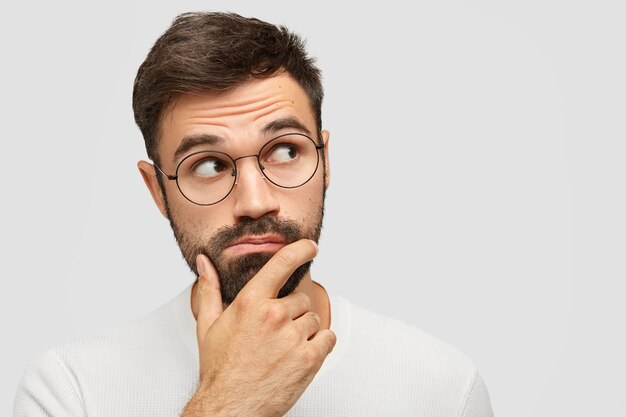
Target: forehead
238 116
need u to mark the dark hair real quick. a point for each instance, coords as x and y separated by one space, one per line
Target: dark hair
215 52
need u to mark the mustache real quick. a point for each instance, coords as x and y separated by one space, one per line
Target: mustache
227 235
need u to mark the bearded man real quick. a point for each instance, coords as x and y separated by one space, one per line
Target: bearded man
230 111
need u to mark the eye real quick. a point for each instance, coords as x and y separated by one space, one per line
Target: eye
283 153
210 167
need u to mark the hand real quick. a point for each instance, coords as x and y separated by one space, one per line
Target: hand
258 355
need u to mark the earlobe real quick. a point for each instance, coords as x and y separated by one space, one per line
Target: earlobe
148 173
325 139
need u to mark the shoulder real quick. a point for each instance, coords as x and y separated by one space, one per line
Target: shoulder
49 387
157 329
106 363
395 336
408 364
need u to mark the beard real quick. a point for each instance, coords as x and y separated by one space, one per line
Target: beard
236 272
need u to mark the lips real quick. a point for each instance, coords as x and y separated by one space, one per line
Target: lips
256 244
259 240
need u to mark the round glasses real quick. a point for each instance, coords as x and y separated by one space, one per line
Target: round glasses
207 177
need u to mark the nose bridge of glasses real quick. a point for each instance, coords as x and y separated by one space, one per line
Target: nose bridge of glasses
257 164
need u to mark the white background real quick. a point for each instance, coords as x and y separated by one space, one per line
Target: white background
477 190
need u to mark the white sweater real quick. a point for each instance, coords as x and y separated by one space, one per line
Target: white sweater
149 367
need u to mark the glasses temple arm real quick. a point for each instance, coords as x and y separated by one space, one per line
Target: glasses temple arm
169 177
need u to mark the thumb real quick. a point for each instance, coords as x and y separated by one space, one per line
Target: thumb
209 296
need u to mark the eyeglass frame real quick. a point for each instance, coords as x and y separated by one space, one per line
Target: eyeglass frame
235 172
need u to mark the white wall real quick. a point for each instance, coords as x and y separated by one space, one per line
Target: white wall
478 181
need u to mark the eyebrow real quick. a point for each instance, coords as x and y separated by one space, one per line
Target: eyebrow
289 122
190 142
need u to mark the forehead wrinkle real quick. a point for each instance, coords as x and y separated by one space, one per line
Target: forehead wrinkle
237 109
267 110
204 120
257 113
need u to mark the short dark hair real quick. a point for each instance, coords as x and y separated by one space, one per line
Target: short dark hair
216 52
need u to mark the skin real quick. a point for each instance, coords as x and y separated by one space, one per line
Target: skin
258 354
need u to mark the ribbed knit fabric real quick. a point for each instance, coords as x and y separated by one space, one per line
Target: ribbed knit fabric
149 367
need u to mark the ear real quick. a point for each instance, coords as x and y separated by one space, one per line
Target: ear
149 173
325 139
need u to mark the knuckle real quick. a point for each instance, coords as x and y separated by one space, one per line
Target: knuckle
203 288
275 313
332 340
243 301
293 337
305 300
316 319
310 358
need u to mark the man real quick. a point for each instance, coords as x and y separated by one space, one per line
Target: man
230 110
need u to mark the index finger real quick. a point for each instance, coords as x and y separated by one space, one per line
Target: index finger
275 273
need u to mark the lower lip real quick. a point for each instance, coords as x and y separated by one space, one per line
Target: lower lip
245 248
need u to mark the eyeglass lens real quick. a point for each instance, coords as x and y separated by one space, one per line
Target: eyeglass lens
288 161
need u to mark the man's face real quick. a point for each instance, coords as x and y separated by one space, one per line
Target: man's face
242 232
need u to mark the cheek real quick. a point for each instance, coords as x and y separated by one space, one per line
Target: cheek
197 221
303 203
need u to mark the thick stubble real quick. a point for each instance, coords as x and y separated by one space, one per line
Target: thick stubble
235 273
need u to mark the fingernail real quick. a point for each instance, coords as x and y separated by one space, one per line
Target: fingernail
199 266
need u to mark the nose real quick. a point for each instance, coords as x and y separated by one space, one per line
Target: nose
253 193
